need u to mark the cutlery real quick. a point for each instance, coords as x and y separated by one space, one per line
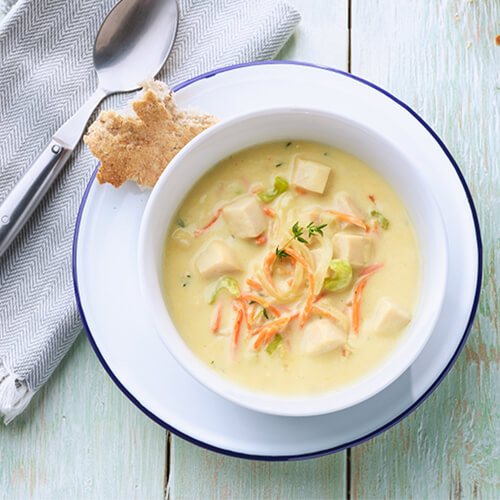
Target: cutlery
132 45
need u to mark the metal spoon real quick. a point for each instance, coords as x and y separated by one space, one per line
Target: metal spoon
132 45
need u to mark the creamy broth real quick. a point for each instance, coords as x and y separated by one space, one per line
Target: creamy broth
292 359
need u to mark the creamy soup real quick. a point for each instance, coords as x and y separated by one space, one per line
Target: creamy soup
291 268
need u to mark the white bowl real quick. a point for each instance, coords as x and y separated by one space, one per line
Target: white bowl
235 134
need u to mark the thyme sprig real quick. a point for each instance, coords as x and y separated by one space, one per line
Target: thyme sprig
298 234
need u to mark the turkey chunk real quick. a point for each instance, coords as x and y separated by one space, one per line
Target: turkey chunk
216 259
354 248
388 317
322 335
344 203
245 217
310 175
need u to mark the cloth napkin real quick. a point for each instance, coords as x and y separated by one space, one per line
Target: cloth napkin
46 73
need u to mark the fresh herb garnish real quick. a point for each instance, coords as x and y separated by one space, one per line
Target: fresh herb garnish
289 143
279 164
383 221
281 254
298 232
315 230
181 223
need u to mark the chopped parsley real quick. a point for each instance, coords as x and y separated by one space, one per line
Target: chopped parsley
181 223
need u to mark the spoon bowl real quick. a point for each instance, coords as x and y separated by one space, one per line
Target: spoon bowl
133 43
131 46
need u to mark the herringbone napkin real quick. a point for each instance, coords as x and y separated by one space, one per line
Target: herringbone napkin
45 75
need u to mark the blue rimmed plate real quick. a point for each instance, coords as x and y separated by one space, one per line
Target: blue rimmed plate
107 291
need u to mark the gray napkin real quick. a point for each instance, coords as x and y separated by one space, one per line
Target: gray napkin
45 75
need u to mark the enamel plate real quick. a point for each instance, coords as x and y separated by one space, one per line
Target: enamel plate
123 336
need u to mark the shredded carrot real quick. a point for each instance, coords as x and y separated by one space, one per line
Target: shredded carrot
317 310
260 300
261 240
375 227
275 322
253 283
356 301
300 190
319 297
269 211
214 326
268 331
372 198
244 308
350 218
210 224
268 263
257 190
371 269
310 296
237 326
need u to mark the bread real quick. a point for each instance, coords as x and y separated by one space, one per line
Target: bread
140 142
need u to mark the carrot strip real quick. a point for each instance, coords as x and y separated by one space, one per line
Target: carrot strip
257 190
371 269
261 240
215 323
268 262
300 190
268 331
260 300
356 301
322 312
350 218
244 308
253 283
372 198
269 211
210 224
276 322
310 296
236 328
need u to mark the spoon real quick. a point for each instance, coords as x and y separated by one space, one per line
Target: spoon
132 45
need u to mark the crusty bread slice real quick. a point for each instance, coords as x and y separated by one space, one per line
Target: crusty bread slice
140 142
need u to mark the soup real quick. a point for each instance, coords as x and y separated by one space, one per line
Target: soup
291 268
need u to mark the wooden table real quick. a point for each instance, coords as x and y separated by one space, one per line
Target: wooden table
81 438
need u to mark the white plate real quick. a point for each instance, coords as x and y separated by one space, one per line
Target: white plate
123 335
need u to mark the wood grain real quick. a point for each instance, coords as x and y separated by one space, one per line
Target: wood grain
196 473
81 438
203 474
440 57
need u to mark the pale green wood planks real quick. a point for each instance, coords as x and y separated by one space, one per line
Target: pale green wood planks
440 58
81 438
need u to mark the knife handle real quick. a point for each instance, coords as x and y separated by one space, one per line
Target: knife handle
20 203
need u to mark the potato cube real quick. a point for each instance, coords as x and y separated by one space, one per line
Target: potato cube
357 249
245 217
216 259
388 317
344 203
310 175
322 335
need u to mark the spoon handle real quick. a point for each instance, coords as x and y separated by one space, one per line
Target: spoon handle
20 203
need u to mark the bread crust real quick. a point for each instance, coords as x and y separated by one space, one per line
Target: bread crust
138 144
